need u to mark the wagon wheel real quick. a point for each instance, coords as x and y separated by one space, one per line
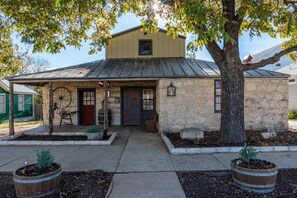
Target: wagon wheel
62 97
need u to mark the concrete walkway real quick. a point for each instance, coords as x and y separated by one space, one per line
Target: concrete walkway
142 165
145 169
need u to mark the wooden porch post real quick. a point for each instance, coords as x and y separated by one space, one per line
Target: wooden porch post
11 109
50 112
105 130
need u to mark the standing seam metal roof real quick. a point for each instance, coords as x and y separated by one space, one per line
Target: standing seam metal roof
141 68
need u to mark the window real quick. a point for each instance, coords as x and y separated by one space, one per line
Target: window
217 99
292 81
20 102
145 47
88 98
148 99
2 104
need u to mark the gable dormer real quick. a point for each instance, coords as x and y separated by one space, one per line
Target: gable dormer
134 43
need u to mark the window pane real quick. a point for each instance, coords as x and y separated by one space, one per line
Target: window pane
218 99
218 84
218 92
1 99
145 47
218 107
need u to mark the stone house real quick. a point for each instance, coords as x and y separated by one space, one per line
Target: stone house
149 73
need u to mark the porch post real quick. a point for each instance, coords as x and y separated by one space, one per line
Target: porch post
50 112
105 130
11 109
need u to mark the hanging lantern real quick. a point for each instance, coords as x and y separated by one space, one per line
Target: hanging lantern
171 90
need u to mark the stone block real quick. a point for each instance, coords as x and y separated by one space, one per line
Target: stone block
191 134
267 135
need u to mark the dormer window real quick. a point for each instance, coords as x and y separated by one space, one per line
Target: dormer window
145 47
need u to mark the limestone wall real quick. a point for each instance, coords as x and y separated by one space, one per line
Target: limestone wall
266 104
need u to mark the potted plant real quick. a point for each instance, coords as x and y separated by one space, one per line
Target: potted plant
40 179
253 174
94 133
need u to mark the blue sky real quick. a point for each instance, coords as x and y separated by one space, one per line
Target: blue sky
72 56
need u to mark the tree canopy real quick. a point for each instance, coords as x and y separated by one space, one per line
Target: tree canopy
50 25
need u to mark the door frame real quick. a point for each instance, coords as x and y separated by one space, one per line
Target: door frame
79 107
141 102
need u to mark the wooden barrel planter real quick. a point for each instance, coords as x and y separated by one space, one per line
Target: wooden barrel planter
256 180
101 117
37 186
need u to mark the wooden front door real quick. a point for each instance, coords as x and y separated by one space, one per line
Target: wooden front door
87 107
131 112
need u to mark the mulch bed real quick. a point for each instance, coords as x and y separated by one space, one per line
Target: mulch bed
93 184
254 138
219 184
53 138
253 164
33 170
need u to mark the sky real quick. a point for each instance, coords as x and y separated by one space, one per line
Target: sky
72 56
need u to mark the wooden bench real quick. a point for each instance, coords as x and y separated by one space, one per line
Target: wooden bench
151 124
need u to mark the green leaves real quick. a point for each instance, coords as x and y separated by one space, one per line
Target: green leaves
44 159
247 153
51 25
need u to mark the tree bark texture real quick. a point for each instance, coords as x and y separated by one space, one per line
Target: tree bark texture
11 109
232 116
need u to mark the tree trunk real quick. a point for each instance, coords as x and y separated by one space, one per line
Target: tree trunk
232 116
11 109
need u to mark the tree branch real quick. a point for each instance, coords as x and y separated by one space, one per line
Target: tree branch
215 51
271 60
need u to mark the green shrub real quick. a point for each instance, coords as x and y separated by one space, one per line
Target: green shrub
247 153
292 114
94 129
44 158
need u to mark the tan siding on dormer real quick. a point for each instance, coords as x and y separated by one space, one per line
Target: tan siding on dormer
126 45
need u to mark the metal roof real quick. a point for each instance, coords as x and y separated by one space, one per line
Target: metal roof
138 68
17 89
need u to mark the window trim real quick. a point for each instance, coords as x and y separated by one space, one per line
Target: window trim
22 102
4 103
215 95
139 51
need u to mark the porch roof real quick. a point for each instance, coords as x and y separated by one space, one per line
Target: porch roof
138 68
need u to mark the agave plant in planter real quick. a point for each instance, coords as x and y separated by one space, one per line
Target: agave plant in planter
40 179
253 174
95 133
